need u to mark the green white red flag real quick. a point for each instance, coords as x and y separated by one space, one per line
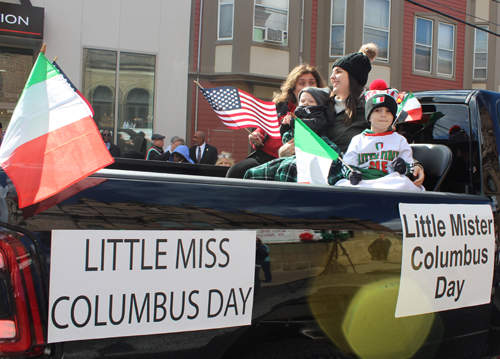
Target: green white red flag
314 156
408 103
52 140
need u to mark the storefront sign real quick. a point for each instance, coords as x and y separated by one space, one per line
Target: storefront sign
123 283
22 21
448 257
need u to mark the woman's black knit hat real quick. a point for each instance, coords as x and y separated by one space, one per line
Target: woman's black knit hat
358 64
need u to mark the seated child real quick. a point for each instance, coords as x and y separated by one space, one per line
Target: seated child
378 157
311 110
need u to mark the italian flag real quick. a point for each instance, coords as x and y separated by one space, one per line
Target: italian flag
314 156
52 140
409 104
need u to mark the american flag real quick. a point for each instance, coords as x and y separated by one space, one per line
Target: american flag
238 109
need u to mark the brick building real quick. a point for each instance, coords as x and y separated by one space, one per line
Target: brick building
252 45
137 65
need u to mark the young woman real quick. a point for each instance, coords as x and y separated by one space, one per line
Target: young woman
265 147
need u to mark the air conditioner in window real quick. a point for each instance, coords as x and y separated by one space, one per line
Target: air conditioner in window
274 35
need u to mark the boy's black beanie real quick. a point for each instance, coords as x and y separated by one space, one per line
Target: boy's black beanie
380 100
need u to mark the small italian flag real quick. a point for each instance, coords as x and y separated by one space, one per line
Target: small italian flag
378 100
314 156
407 103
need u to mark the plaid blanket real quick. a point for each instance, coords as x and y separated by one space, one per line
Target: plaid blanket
284 169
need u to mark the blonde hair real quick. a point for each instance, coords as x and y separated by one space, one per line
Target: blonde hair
285 93
230 159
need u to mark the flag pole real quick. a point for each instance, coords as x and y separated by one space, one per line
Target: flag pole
341 160
55 58
43 49
198 84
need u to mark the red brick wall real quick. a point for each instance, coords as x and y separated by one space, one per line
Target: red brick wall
218 135
314 31
196 31
412 82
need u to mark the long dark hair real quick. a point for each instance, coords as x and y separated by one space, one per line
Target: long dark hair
285 93
356 91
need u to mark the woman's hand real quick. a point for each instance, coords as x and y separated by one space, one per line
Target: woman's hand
288 149
255 139
286 119
419 174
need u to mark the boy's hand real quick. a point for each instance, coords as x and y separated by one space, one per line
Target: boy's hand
355 177
399 165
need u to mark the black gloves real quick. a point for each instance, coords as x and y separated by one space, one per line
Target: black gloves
355 177
399 165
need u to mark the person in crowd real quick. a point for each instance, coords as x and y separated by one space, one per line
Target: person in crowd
379 152
136 141
174 142
349 76
260 256
375 248
156 151
113 149
181 155
386 246
312 110
178 142
265 263
225 159
202 152
286 100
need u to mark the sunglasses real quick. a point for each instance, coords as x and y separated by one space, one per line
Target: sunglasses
106 134
224 156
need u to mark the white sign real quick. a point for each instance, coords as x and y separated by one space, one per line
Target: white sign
122 283
448 255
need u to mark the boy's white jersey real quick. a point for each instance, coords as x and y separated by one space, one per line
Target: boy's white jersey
375 151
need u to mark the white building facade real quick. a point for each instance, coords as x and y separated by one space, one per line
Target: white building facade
129 58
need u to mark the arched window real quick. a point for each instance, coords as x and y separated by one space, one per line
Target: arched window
103 104
137 108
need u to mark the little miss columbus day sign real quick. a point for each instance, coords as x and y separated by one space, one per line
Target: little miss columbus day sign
448 257
121 283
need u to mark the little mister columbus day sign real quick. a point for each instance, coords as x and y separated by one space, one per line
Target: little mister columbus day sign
448 257
121 283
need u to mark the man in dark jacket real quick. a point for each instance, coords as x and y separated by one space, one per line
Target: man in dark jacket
156 151
202 152
114 150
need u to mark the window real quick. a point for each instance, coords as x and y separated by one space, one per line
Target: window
481 53
434 50
423 44
446 41
376 25
125 108
226 8
271 21
337 37
15 68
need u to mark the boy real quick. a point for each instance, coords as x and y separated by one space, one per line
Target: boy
311 110
379 152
